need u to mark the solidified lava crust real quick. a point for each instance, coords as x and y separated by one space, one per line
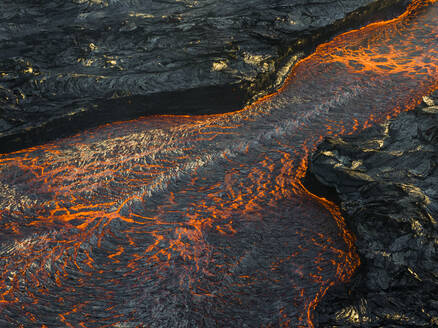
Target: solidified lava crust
386 178
203 221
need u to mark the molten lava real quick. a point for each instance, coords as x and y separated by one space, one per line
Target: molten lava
203 221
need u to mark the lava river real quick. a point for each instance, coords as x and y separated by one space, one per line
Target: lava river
203 221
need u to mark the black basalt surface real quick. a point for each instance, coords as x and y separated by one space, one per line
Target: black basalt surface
386 178
70 65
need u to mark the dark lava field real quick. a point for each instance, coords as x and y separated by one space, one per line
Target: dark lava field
194 220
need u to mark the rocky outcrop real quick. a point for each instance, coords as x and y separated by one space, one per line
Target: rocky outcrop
386 178
69 65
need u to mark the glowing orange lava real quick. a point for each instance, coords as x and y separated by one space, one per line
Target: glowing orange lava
203 220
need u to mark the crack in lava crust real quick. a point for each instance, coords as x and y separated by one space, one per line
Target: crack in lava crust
203 221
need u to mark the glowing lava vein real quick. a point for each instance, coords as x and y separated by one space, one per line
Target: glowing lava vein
203 221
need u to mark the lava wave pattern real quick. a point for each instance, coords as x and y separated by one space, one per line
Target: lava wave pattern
203 221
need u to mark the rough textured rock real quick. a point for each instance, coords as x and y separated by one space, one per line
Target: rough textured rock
386 178
67 65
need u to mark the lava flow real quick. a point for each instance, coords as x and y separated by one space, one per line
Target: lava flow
203 221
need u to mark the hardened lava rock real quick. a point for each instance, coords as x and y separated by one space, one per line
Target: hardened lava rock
70 65
386 178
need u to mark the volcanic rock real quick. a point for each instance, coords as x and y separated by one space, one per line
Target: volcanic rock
69 65
386 179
